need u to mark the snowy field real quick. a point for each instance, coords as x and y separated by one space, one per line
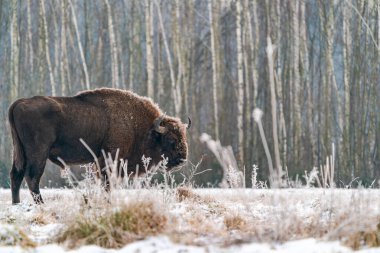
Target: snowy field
204 220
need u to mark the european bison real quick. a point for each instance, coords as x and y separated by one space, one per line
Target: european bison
46 127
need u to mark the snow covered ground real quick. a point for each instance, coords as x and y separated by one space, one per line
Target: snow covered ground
207 220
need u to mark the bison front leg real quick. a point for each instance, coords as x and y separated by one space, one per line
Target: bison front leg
103 173
106 173
17 175
33 177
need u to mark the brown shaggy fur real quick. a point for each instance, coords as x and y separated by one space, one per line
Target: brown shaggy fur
106 119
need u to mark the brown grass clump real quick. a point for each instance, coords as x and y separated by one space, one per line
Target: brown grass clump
39 219
234 222
184 193
365 239
132 222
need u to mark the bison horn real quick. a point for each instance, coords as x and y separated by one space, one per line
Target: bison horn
188 125
157 127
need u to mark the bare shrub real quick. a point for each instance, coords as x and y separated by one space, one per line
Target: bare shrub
234 222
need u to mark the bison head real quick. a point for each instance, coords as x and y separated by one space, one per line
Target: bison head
168 137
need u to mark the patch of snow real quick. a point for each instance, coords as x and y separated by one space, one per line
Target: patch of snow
9 235
43 233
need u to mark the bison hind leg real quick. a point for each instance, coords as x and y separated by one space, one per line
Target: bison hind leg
16 175
33 173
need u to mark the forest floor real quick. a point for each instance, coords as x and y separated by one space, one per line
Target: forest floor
194 220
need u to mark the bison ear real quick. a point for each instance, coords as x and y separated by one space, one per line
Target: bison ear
188 125
157 125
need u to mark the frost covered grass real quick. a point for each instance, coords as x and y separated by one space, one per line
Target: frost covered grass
198 217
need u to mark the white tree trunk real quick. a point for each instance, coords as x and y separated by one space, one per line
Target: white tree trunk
255 70
30 37
306 80
132 48
63 53
240 83
120 52
84 64
174 88
215 79
149 47
113 46
56 53
47 51
346 12
278 85
296 75
247 111
180 69
329 28
15 51
251 72
278 168
188 45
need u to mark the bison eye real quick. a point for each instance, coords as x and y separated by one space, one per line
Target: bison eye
172 144
156 136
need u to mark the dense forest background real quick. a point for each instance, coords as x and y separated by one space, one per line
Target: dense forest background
207 59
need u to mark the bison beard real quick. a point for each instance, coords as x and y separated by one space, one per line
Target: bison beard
106 119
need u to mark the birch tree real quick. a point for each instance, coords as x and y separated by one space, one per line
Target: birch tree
304 54
113 47
47 51
255 71
65 81
278 84
175 93
30 36
120 52
346 38
240 83
296 76
132 29
81 52
178 52
56 44
149 47
346 33
270 49
328 19
15 44
215 73
273 100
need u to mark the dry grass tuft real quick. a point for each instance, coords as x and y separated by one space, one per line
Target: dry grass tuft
365 239
184 193
115 229
39 219
234 222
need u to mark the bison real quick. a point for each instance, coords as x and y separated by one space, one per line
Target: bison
45 127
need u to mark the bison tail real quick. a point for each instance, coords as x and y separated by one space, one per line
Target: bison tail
18 151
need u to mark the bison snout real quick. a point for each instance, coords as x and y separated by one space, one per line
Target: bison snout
176 162
180 161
